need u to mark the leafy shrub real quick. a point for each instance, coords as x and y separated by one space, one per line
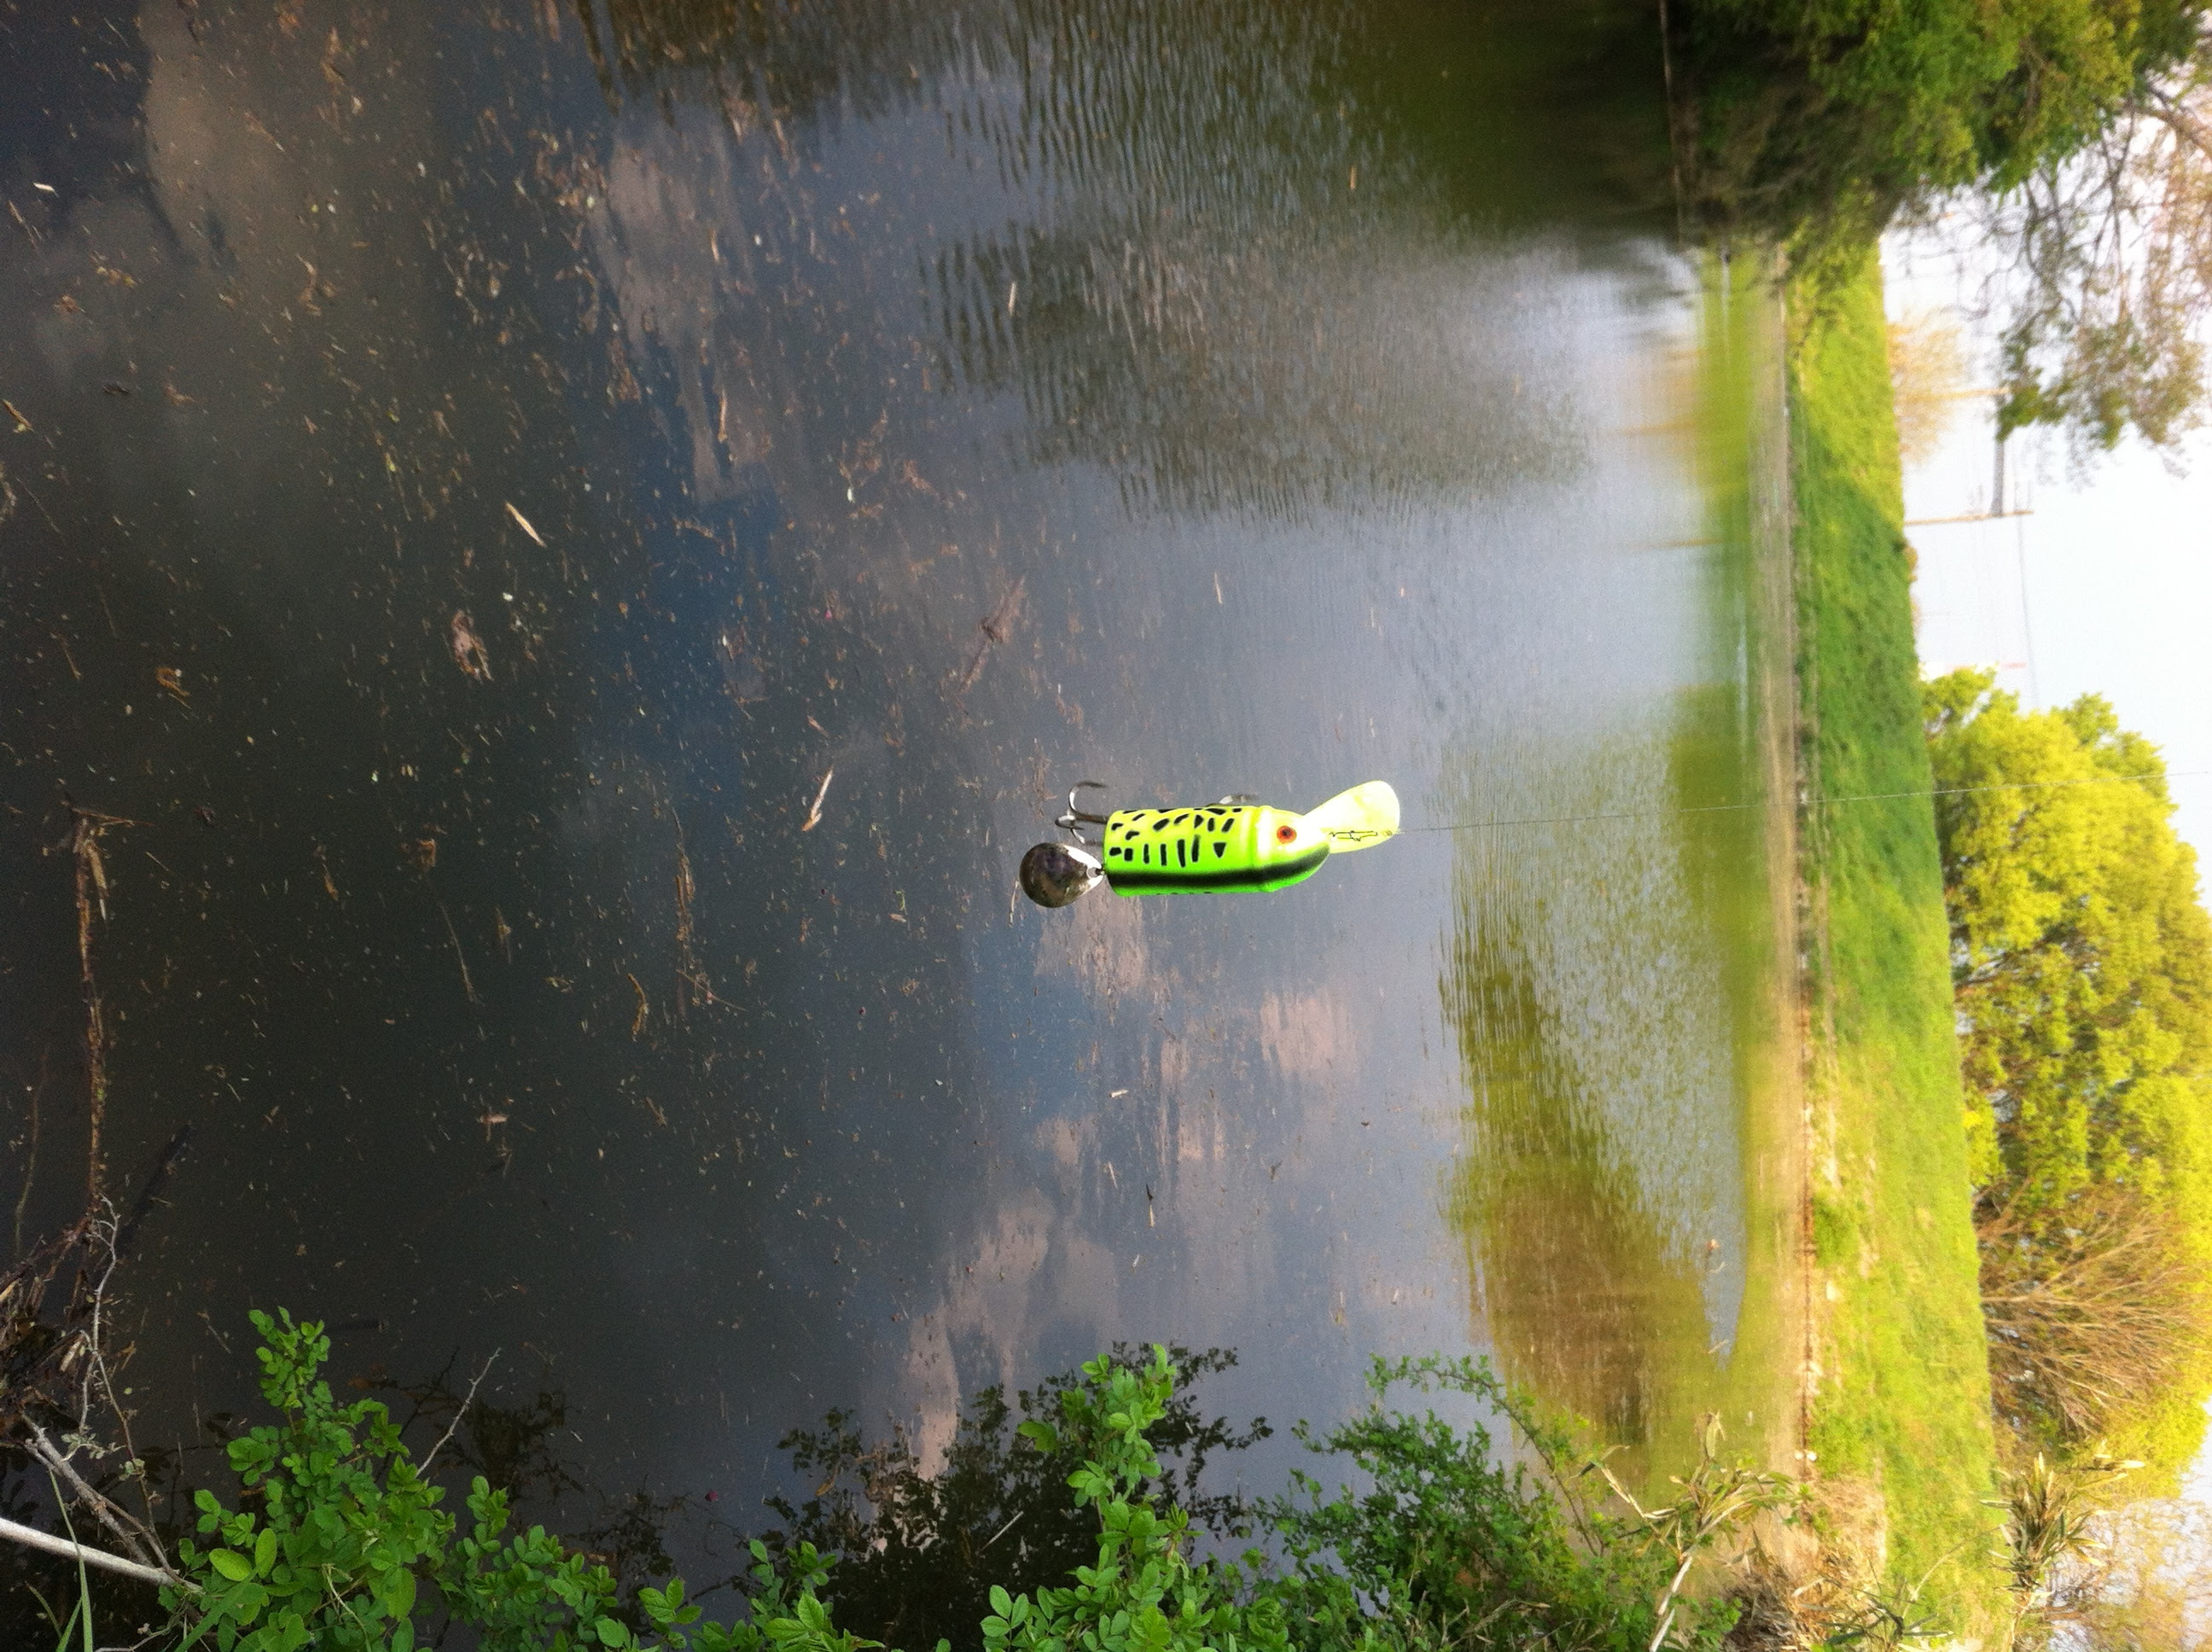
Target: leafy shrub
1445 1548
350 1532
923 1552
1451 1548
350 1543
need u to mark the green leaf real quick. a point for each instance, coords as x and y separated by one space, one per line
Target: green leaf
231 1563
264 1553
245 1601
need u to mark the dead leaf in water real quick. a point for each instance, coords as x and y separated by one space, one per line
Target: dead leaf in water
468 648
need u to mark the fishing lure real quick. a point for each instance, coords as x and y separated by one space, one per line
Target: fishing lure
1236 845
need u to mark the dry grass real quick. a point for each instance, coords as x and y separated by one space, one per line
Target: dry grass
2089 1309
1823 1581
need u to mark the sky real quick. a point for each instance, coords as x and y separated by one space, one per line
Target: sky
2106 587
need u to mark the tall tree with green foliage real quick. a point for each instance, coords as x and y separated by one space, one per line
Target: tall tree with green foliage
2081 963
1828 114
2076 134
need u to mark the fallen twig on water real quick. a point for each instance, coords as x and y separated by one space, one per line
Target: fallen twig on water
814 815
523 522
117 1520
467 1399
996 626
30 1537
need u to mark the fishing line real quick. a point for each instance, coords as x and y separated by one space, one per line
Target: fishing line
1810 803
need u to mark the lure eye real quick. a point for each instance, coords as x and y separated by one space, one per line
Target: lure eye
1286 834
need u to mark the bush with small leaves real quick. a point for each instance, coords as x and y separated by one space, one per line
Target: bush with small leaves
350 1533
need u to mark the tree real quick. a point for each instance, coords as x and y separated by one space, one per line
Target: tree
2082 964
2082 961
2109 276
2077 134
2108 245
1822 118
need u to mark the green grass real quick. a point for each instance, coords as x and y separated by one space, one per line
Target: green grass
1901 1404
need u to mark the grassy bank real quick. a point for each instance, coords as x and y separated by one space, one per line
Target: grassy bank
1899 1406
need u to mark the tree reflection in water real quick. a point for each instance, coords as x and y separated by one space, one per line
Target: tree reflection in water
1232 267
1563 1259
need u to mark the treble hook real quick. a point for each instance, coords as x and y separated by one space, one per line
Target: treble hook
1074 819
1054 874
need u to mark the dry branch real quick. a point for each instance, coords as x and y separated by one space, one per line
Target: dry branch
31 1537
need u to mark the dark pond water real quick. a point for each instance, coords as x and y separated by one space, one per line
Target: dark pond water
476 474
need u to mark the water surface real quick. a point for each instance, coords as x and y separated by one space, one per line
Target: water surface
482 477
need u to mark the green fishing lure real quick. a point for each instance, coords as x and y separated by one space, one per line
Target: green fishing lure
1235 846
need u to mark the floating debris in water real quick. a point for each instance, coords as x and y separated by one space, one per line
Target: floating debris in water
814 815
469 651
996 626
523 522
